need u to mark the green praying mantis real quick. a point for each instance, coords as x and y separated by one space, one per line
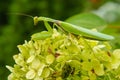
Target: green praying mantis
70 28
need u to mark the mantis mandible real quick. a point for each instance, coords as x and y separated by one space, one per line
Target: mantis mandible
70 28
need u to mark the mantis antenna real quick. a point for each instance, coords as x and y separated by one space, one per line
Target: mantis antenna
22 14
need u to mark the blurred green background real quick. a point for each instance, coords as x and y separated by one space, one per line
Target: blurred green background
15 28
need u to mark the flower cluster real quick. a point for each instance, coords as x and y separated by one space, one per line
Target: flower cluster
65 57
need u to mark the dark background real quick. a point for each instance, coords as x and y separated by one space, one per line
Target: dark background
15 28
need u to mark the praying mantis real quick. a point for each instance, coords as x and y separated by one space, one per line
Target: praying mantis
70 28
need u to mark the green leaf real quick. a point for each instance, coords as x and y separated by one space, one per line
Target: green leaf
113 30
88 20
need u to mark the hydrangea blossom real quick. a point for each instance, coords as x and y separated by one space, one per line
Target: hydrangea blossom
65 57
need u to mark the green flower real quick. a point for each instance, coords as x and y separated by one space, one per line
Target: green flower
60 56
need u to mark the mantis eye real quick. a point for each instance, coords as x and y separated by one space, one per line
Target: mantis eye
35 20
